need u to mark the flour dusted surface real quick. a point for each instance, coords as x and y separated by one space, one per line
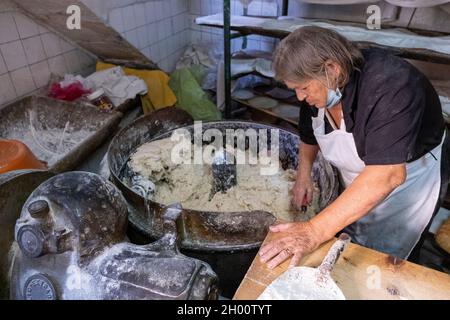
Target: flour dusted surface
302 283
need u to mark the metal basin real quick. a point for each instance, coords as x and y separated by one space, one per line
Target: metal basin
218 231
59 133
226 240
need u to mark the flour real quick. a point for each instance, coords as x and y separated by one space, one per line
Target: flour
302 283
47 144
50 145
191 184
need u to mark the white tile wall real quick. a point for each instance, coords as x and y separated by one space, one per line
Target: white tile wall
65 45
139 14
214 35
7 90
52 45
155 52
116 20
42 29
73 61
158 9
26 27
160 30
34 49
14 55
23 81
41 73
166 9
179 23
57 65
8 29
132 37
2 66
152 35
155 27
149 11
195 7
142 37
129 18
29 53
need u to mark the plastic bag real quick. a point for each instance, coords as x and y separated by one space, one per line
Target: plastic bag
207 54
190 95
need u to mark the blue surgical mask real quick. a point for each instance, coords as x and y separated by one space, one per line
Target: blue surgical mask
334 96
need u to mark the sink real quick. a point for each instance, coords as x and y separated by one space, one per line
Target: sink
59 133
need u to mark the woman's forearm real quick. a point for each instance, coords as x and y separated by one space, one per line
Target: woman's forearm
307 154
370 188
297 239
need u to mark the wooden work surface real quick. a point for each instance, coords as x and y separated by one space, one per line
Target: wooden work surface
361 273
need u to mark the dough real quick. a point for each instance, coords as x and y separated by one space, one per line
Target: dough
243 94
191 184
264 67
279 93
443 236
263 103
302 283
242 66
287 111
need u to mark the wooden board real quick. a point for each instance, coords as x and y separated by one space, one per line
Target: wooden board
94 36
362 274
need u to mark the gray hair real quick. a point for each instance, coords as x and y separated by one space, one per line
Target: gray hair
303 54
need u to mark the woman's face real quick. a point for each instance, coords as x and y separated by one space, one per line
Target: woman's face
314 92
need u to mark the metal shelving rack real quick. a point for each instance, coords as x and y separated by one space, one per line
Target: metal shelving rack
416 54
227 49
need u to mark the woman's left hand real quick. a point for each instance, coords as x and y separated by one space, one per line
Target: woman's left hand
296 240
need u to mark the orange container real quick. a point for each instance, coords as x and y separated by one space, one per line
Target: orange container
15 155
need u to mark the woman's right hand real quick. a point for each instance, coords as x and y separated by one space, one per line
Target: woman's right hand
302 192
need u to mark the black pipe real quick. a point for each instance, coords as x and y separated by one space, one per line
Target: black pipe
227 56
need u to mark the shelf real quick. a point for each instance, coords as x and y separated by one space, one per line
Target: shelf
267 111
261 91
255 28
253 73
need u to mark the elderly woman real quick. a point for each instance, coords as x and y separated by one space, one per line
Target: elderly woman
378 120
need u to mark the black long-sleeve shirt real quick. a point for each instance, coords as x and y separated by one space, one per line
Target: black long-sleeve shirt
390 107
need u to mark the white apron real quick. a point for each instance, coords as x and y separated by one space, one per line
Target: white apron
396 224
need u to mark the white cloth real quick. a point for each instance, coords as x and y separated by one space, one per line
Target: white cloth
117 85
400 3
236 21
337 2
194 56
397 38
417 3
220 87
261 65
395 225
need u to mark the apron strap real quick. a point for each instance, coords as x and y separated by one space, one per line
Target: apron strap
331 120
